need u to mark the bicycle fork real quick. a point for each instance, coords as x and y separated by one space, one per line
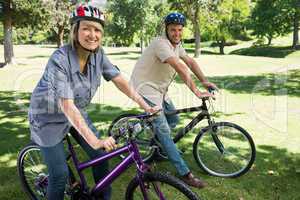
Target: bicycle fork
215 137
145 187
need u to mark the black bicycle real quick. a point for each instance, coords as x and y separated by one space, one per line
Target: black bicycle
221 149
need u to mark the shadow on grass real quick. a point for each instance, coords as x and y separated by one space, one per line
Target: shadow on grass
256 184
15 134
2 64
14 127
265 84
49 46
123 53
274 175
129 58
38 56
265 51
204 52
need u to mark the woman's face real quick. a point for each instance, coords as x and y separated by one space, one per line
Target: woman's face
89 34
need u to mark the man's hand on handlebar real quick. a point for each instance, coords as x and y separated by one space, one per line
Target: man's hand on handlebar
204 95
210 86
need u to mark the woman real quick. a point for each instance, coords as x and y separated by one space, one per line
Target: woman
70 80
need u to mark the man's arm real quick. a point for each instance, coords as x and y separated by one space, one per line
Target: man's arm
184 74
195 68
124 87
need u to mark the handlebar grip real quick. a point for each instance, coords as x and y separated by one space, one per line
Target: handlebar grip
211 90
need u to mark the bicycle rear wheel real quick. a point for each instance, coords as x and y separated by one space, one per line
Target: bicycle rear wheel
159 186
144 139
224 150
33 173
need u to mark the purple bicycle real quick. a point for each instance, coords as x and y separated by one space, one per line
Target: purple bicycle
145 185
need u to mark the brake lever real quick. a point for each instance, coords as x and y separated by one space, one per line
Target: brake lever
211 90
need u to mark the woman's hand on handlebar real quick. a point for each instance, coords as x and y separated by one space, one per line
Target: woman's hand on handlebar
108 144
153 110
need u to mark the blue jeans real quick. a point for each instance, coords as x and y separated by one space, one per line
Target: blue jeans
162 128
55 159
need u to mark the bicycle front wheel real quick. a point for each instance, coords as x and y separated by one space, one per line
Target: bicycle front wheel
224 150
33 173
159 186
144 138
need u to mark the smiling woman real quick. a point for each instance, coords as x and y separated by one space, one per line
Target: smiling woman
58 102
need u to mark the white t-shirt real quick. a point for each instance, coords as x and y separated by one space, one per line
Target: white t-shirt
151 76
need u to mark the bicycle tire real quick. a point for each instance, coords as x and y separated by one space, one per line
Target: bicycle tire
236 144
37 171
143 140
181 190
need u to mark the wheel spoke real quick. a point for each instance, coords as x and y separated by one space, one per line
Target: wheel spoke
238 154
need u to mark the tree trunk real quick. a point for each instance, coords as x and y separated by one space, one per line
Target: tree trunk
221 46
296 31
8 45
142 44
197 32
60 36
269 40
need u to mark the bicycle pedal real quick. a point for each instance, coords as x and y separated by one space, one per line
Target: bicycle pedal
75 185
181 151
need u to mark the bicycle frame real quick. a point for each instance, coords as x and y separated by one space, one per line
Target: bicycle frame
134 156
203 114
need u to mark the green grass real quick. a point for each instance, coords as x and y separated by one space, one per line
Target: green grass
254 93
265 51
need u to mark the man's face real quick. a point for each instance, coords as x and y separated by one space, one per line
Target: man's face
174 32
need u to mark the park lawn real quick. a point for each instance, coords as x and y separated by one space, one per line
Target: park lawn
259 93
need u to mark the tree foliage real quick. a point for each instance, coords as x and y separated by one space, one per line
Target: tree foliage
269 20
130 18
191 8
58 12
127 19
226 20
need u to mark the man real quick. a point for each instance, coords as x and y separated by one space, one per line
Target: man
151 77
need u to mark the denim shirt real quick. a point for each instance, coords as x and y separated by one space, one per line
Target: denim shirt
62 79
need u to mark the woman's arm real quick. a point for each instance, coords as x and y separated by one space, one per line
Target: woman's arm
74 116
124 87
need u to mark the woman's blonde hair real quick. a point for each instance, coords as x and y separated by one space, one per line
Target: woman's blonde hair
73 38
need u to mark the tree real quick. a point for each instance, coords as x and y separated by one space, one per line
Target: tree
58 12
135 18
268 19
7 26
226 20
19 13
127 18
191 8
152 19
292 10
